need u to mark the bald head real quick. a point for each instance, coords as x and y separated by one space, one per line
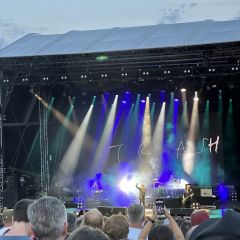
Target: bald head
94 219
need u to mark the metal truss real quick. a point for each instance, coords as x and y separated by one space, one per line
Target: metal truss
126 67
1 148
43 116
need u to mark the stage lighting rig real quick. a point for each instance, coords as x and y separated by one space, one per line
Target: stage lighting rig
25 79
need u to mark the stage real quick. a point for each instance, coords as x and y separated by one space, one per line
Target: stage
154 116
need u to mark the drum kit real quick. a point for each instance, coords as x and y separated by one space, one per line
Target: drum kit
172 188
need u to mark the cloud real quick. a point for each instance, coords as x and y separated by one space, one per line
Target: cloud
183 6
193 4
171 16
2 42
237 17
10 32
174 15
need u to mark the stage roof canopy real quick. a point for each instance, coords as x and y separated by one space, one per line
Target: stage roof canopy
124 39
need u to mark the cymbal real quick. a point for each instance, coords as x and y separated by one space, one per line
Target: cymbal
97 191
78 191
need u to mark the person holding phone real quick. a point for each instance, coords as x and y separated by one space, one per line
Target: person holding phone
153 231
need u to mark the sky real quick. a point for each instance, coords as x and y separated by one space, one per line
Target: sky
20 17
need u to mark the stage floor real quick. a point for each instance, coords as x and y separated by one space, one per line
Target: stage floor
213 213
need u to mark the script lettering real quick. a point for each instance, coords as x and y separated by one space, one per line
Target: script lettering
119 146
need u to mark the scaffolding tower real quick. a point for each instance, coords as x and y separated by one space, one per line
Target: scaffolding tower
43 128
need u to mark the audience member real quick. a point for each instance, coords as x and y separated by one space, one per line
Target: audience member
48 218
116 227
20 228
199 216
225 228
7 218
87 233
72 221
94 219
185 226
1 221
135 220
161 232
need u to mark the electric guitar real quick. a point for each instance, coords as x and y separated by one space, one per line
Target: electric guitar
184 200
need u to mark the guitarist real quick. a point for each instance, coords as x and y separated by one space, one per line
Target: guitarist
187 197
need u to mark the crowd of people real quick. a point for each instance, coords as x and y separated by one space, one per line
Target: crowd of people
48 219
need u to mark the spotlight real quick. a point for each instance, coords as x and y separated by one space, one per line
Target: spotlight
143 101
235 68
195 96
63 77
127 184
183 90
124 102
45 78
211 69
208 88
104 75
83 76
25 80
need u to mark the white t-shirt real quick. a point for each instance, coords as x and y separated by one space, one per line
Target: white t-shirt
134 233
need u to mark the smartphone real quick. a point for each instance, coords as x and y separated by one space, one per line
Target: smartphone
160 206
